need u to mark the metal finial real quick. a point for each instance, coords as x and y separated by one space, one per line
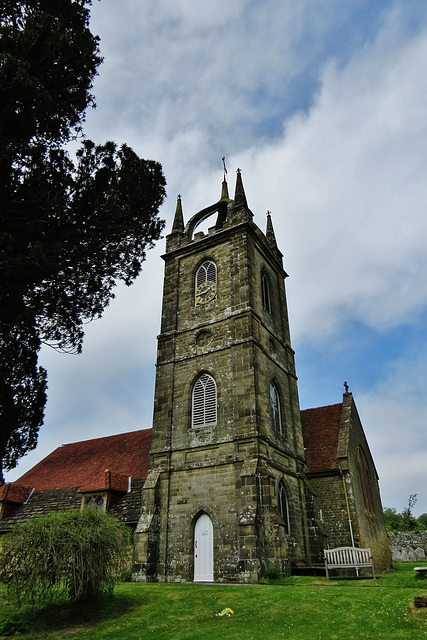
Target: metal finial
179 196
346 387
225 168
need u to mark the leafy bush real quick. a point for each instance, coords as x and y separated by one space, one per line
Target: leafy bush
423 519
404 521
65 555
272 572
12 626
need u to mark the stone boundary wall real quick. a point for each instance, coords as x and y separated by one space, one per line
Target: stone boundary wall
408 546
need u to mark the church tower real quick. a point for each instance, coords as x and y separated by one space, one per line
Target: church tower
225 496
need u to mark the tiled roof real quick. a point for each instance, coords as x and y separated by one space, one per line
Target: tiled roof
83 464
321 427
12 492
107 480
43 502
128 508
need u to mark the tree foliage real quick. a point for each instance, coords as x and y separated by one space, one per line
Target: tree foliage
423 519
74 231
404 521
70 228
49 59
70 555
22 393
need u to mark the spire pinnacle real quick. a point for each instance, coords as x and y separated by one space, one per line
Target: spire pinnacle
239 194
269 233
178 223
224 191
271 238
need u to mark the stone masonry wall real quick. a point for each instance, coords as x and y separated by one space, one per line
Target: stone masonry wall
230 469
332 509
408 546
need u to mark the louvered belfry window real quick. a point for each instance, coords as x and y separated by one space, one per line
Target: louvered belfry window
204 401
206 273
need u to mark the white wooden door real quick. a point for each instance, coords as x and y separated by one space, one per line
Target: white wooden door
203 549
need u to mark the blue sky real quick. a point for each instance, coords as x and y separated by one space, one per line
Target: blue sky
322 104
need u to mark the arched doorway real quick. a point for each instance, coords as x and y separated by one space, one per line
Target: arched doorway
203 549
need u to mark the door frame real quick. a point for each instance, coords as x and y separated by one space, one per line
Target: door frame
203 527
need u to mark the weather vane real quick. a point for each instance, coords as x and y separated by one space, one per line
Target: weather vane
225 168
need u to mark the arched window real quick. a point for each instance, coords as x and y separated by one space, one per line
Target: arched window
205 282
283 506
265 291
206 272
275 408
204 401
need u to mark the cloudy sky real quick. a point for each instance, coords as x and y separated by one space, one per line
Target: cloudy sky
323 106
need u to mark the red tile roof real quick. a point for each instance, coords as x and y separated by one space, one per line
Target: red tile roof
83 464
320 428
107 480
11 492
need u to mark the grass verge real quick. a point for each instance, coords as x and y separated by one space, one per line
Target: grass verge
294 608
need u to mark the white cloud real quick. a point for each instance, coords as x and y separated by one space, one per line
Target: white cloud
395 412
171 68
346 185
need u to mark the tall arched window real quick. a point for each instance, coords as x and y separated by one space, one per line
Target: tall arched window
204 401
265 291
283 506
205 282
275 408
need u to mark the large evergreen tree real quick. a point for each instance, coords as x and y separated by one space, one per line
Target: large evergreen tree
69 229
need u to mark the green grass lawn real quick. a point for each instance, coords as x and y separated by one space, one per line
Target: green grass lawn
294 608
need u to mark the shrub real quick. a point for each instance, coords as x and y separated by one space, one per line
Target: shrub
12 626
404 521
272 572
65 555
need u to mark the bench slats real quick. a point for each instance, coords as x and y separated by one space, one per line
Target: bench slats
348 558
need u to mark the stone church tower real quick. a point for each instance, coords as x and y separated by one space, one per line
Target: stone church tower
225 497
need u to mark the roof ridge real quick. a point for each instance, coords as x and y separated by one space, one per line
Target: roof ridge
114 435
326 406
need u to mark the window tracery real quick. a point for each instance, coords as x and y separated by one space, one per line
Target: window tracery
94 501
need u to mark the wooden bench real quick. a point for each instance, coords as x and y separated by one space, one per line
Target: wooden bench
348 558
